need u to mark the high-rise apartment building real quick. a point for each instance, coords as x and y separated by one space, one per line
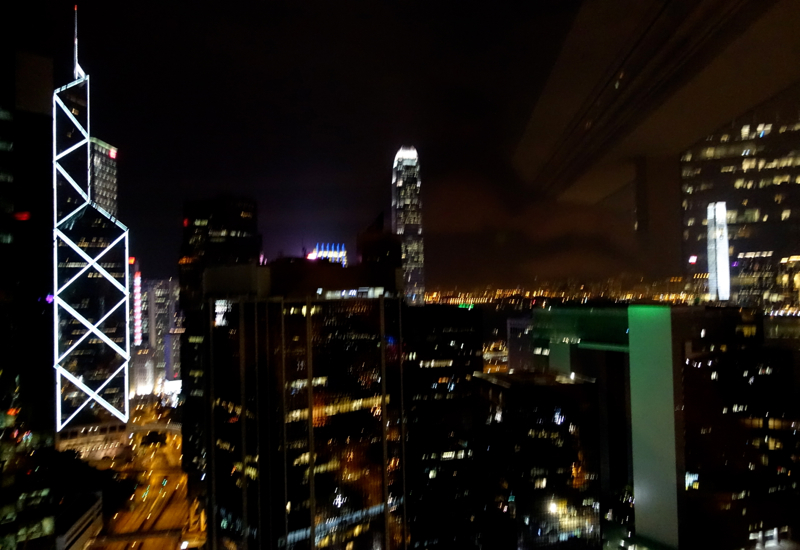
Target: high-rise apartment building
407 221
753 166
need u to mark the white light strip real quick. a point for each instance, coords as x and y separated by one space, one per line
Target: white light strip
719 268
90 263
72 182
62 154
91 393
92 328
77 124
127 330
70 85
93 261
87 333
68 217
60 369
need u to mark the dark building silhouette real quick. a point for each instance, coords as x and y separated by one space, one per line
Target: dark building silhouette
442 347
538 462
218 231
696 414
304 407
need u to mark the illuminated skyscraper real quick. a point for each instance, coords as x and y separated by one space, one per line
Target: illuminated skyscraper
407 221
90 274
752 165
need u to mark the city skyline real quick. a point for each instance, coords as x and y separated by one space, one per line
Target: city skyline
612 276
339 180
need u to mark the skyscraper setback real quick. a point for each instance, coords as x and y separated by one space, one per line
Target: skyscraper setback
407 222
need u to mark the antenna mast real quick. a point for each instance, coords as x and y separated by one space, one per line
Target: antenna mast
77 71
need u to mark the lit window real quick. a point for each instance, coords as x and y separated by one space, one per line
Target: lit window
785 214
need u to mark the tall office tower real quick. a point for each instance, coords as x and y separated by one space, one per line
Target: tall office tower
719 269
104 175
90 273
751 165
219 231
305 398
161 319
407 222
723 406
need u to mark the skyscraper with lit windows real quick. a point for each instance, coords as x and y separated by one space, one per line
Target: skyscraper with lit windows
90 275
752 166
407 221
104 175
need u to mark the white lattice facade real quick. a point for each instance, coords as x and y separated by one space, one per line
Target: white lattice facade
90 276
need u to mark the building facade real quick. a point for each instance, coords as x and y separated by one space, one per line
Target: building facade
305 408
407 221
162 323
220 231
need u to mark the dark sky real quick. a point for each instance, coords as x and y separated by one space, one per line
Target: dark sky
302 106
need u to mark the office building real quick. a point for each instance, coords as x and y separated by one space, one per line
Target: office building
752 166
90 275
695 412
407 221
161 327
442 346
305 398
219 231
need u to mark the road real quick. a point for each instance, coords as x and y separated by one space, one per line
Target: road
159 502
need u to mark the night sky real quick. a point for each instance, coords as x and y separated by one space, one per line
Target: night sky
303 105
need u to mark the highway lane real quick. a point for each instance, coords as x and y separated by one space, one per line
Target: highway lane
160 499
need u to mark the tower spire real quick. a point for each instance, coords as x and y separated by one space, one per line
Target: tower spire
76 68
